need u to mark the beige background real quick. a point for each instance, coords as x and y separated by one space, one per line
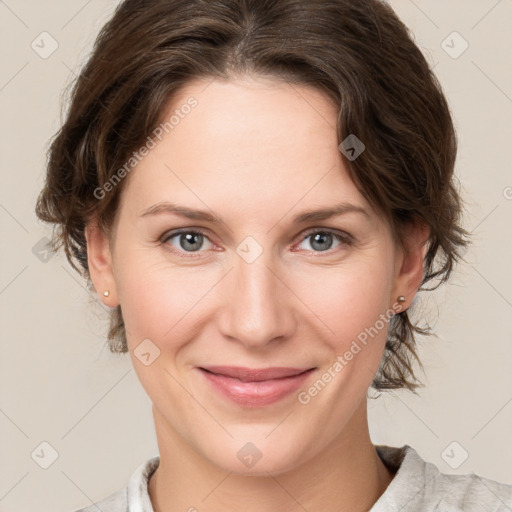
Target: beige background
59 383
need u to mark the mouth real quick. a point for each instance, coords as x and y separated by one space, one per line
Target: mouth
256 374
255 387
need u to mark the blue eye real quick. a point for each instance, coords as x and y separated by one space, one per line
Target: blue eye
187 241
322 240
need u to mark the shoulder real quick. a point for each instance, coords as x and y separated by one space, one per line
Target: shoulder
135 496
471 492
419 485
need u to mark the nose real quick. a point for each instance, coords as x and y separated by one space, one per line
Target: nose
258 306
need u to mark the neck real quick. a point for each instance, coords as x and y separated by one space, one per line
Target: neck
348 475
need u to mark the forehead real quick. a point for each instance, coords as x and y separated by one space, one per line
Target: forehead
260 117
255 141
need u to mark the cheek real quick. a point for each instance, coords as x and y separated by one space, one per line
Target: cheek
348 301
161 304
159 300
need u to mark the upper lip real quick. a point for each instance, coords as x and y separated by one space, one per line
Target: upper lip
254 374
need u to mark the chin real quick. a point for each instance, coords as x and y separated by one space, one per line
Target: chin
254 458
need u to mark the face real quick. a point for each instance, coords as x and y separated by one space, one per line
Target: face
260 284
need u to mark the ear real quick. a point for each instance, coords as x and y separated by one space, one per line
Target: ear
99 259
409 263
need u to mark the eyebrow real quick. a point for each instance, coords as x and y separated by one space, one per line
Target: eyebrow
306 216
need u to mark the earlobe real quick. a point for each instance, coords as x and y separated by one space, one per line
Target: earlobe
99 259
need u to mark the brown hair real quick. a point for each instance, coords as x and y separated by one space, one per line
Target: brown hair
357 52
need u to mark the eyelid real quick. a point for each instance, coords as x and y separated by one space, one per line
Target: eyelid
342 234
173 232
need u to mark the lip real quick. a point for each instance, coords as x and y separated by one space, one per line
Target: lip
255 387
256 374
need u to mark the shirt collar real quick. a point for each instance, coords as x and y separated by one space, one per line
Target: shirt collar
138 493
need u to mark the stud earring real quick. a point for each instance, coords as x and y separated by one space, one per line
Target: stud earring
401 298
106 293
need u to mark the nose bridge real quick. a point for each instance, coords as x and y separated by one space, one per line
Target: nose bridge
257 308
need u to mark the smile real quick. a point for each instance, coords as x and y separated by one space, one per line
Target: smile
256 388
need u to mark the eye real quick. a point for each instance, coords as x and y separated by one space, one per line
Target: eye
187 241
192 241
322 240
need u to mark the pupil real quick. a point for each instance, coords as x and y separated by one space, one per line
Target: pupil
321 237
190 240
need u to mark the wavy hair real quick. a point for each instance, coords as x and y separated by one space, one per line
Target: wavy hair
358 53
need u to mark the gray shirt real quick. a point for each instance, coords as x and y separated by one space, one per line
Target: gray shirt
418 486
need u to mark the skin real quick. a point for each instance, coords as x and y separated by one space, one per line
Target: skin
255 152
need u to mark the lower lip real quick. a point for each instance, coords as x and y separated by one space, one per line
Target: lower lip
255 394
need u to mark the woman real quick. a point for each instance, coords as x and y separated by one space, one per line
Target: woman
209 151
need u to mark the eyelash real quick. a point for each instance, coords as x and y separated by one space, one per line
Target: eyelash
343 237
